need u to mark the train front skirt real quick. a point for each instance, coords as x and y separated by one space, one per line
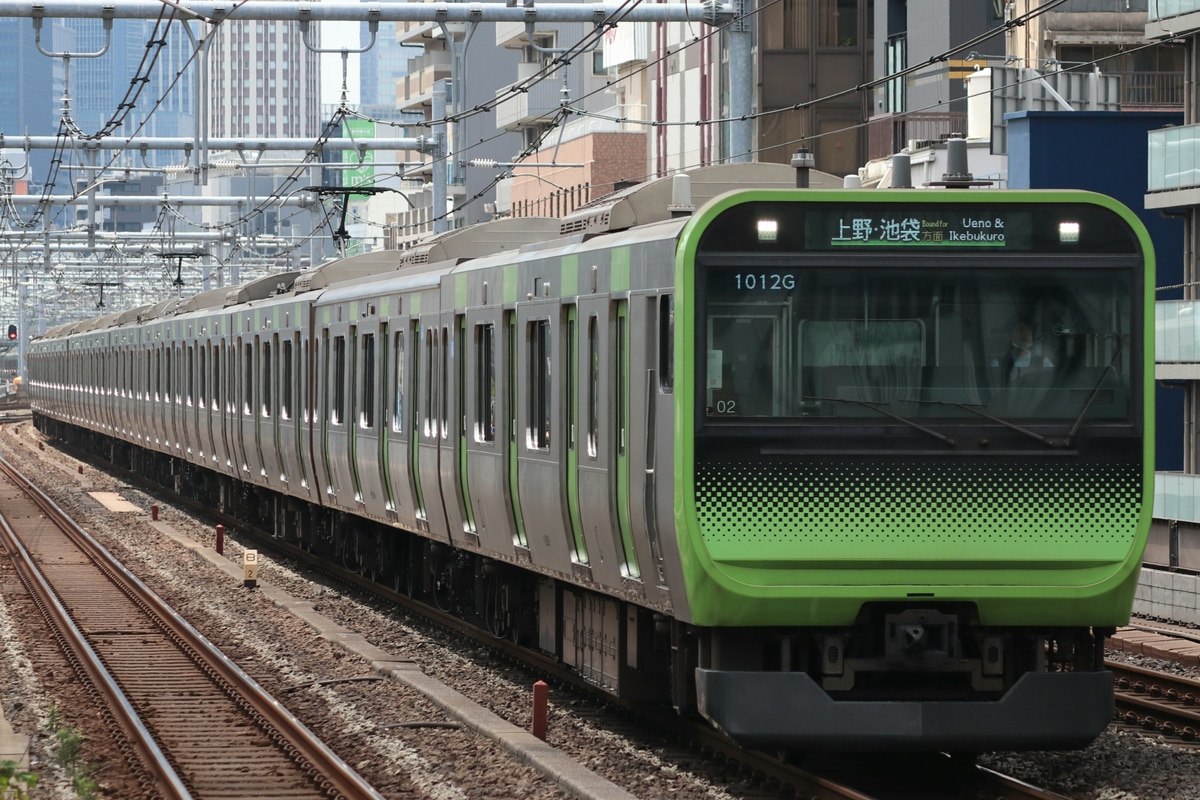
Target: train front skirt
789 711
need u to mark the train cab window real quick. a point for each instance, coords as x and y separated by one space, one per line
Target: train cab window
538 434
485 383
367 415
338 412
935 342
285 380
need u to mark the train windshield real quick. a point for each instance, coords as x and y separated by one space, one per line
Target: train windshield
1028 343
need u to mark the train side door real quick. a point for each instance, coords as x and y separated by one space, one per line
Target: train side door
275 466
456 493
539 435
309 399
594 439
265 433
243 404
432 423
333 445
622 441
289 428
368 418
191 419
484 440
571 431
642 454
203 411
512 344
399 446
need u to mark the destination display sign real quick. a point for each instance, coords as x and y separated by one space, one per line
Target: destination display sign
876 225
865 227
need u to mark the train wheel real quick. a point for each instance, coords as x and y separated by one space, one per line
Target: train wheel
498 617
351 551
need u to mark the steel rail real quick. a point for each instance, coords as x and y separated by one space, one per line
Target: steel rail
337 777
158 767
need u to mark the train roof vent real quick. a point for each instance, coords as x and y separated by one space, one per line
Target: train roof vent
652 201
98 323
346 269
261 289
131 315
158 310
213 298
483 239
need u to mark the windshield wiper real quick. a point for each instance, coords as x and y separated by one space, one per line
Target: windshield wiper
941 437
1091 397
1000 421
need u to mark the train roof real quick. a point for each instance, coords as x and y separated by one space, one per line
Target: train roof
213 298
652 201
131 315
346 269
484 239
165 308
262 288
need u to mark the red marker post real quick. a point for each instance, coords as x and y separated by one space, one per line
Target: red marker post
540 693
220 540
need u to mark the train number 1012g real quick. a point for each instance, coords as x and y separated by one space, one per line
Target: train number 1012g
766 281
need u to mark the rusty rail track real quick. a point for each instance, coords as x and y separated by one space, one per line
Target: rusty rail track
1159 701
196 726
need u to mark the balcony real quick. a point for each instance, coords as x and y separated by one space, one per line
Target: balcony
1141 91
1177 339
891 133
1165 9
524 109
1173 167
424 72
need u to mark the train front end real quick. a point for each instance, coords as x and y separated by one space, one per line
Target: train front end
914 463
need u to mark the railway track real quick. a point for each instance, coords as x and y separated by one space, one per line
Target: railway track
195 725
1158 701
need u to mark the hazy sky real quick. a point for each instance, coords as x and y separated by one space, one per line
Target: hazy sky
339 34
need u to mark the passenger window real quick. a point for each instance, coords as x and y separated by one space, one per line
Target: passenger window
247 379
266 379
485 383
285 385
367 419
538 434
398 416
339 379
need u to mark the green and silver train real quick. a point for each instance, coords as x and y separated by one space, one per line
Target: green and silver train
834 469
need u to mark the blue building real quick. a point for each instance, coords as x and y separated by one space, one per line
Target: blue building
1105 151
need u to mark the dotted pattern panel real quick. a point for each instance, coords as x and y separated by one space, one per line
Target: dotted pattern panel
935 509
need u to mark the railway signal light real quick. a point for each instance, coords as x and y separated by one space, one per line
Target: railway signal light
12 333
